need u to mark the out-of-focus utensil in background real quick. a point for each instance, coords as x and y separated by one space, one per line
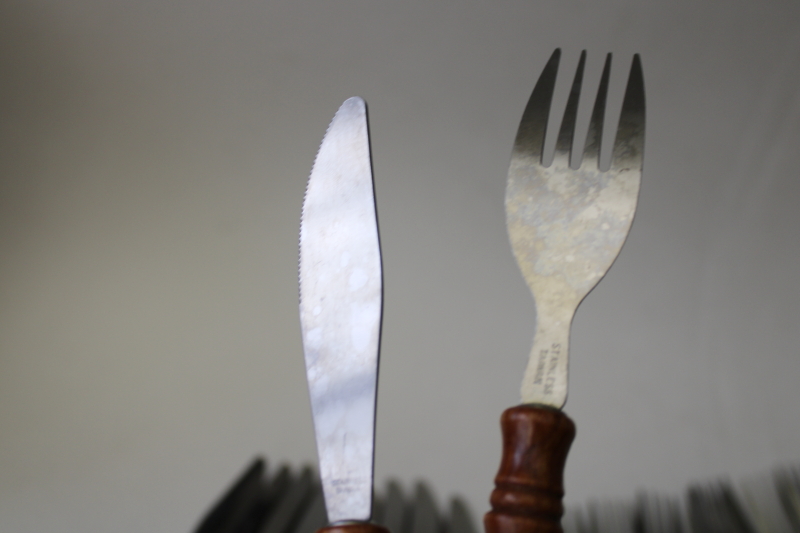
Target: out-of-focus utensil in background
287 500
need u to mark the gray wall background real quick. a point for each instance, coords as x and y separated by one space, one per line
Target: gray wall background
153 157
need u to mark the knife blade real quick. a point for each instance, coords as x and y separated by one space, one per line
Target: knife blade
341 301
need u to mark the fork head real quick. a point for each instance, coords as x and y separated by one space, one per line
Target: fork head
571 222
567 225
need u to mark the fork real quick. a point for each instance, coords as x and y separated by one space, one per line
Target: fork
566 226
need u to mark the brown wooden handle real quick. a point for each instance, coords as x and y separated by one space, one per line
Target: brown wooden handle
354 527
530 482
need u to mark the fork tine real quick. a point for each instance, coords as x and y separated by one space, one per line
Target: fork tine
629 144
530 135
594 137
565 134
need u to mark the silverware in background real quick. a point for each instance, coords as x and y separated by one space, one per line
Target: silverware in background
290 501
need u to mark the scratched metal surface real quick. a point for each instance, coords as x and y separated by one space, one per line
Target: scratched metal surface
567 225
340 310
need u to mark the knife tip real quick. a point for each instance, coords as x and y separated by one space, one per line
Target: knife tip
354 104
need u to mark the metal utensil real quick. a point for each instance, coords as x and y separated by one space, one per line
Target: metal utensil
340 311
566 227
566 224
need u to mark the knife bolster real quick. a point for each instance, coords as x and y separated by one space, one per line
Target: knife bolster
529 485
354 527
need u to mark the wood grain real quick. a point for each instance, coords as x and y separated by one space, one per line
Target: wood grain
529 485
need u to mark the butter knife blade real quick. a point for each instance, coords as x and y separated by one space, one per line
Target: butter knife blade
341 297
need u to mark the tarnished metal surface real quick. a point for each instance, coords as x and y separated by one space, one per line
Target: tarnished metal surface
340 310
566 225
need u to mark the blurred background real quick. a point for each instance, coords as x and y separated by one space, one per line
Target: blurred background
153 158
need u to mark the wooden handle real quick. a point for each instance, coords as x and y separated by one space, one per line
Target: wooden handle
354 527
529 484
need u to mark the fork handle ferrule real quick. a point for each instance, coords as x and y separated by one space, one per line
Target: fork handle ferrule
529 484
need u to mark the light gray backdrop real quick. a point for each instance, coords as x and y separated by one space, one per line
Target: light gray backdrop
153 156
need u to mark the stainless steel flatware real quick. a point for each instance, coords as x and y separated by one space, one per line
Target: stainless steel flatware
566 225
341 299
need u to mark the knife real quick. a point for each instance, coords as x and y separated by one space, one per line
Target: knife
566 223
341 303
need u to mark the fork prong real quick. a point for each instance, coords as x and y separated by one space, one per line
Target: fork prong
529 143
567 130
594 137
629 144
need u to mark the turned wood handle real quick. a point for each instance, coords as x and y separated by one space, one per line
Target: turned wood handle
354 527
529 484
